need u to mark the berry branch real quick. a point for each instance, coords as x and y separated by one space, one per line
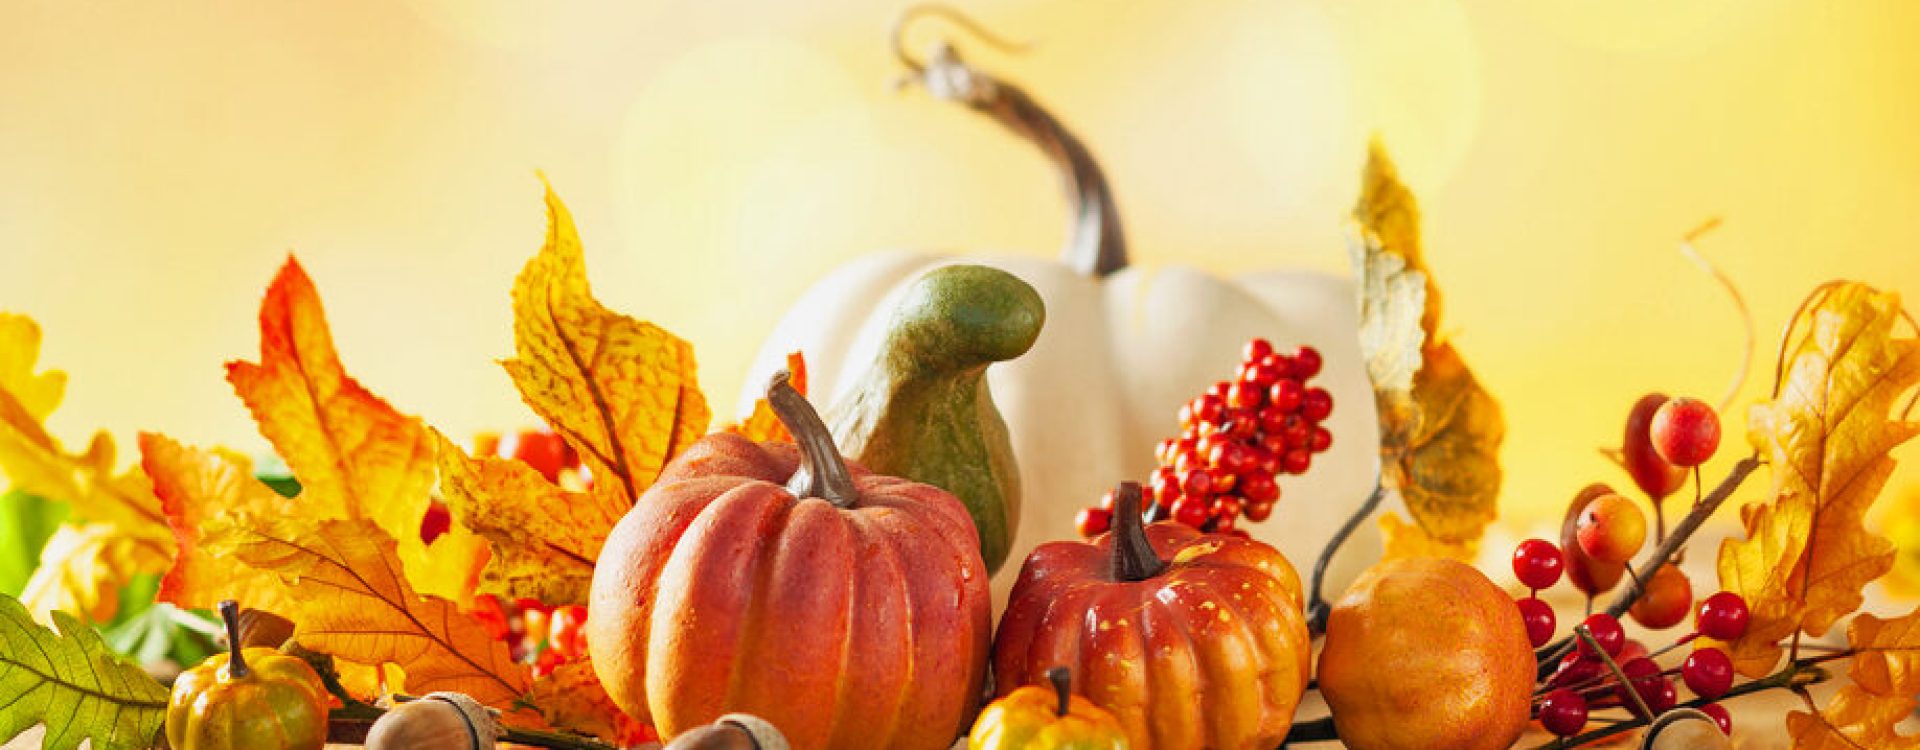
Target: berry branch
1318 610
1669 547
1796 675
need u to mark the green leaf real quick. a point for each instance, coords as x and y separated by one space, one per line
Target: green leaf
147 631
74 685
26 522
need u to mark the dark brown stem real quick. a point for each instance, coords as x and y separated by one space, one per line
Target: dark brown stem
1318 610
1619 675
236 661
823 472
1550 656
1097 246
1062 679
1133 556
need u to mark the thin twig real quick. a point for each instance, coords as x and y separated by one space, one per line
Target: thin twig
1318 610
1739 303
1619 674
1796 675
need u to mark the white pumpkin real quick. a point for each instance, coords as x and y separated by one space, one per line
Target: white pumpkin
1123 348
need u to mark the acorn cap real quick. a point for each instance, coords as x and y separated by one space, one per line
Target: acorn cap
765 735
480 719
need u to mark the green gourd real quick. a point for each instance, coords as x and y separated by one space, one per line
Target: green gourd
922 410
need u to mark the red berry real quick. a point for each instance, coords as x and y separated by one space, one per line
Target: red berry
1092 522
569 631
1321 440
1287 395
1296 461
1223 524
1576 669
1244 396
1196 483
1297 431
1258 511
1166 451
1655 476
1256 350
1537 563
1685 431
1538 616
1106 501
545 451
1282 364
1208 408
1260 488
1273 443
1260 376
1166 484
1242 427
1606 631
1722 617
1317 404
1219 389
1563 712
1192 460
1708 672
1719 715
1190 511
438 520
548 661
1306 362
1227 505
1644 675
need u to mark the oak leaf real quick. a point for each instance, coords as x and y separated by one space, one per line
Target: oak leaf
1807 553
763 426
355 455
572 697
620 390
1867 711
1440 431
198 490
125 532
74 685
544 539
350 600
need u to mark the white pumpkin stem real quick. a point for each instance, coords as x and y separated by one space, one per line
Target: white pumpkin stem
1097 246
823 472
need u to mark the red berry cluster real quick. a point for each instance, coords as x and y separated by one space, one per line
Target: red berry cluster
1234 441
1582 682
543 636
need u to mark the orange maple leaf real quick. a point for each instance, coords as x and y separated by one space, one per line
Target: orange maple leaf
354 454
763 425
1807 553
349 599
545 539
197 489
620 390
1866 712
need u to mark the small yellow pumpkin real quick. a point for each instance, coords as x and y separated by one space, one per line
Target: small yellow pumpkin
251 698
1035 717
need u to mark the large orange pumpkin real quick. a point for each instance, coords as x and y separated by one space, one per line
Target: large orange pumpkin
848 609
1193 640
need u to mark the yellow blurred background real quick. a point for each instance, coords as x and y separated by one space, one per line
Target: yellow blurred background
160 159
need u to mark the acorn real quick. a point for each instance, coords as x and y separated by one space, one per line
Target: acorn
436 721
1685 729
732 732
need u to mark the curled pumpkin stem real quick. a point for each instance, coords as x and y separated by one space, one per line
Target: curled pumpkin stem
1133 556
823 473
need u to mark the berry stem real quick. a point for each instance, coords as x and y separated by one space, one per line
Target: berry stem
1133 558
1795 676
1550 656
1318 610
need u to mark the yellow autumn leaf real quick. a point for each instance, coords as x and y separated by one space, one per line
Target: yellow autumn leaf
544 538
763 426
572 697
349 600
1440 431
37 393
1867 711
82 569
355 455
1807 553
116 529
620 390
1405 540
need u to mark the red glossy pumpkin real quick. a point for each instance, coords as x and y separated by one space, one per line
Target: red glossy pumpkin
848 609
1193 640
